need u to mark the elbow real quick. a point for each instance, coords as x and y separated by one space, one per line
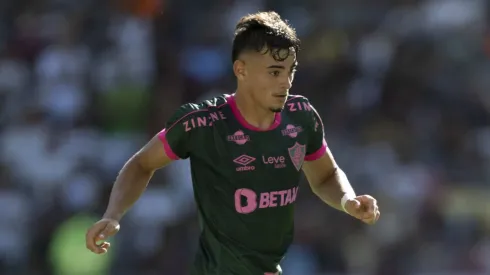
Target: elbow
331 175
325 180
138 164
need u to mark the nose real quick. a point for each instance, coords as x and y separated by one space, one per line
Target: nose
286 83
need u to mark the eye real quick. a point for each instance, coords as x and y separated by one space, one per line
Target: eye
275 73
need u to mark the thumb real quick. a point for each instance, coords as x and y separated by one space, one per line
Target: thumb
355 204
352 206
108 231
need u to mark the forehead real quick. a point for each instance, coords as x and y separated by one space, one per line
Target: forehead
269 57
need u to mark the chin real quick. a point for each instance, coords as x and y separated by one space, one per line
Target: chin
277 109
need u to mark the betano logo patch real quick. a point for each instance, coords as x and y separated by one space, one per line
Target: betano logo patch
247 200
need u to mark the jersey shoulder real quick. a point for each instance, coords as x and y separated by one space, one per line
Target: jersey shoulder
200 109
298 105
300 109
296 98
182 130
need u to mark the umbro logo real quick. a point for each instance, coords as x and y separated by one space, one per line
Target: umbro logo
244 162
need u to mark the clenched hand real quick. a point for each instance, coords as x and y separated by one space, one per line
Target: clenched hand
98 233
364 208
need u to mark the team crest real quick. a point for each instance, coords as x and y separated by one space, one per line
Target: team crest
297 154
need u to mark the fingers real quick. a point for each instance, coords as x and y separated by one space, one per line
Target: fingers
91 239
369 211
109 230
100 232
372 219
104 247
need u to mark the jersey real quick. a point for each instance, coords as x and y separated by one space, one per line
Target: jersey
245 180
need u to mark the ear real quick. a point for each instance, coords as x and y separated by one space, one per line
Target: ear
239 69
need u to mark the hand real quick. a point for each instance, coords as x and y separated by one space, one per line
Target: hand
100 231
364 208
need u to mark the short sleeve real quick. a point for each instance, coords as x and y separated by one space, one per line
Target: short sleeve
317 145
176 136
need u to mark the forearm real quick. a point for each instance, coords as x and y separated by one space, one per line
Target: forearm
130 184
333 189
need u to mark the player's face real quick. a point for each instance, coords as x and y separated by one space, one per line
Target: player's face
269 80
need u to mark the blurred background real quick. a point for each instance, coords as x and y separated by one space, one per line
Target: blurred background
403 87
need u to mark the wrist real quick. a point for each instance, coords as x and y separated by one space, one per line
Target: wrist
112 216
345 199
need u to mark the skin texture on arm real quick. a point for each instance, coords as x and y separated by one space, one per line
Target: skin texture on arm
330 184
327 180
134 177
172 143
130 184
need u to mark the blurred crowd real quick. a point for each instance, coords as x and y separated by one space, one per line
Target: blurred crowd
403 87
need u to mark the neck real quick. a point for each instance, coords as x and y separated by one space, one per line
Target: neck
252 112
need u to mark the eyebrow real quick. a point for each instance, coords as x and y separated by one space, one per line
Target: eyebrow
295 64
276 67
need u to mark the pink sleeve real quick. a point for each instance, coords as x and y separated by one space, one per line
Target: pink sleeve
168 150
318 153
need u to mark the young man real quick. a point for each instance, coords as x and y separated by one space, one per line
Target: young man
247 151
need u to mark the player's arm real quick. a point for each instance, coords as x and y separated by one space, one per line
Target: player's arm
134 177
170 144
331 185
325 177
328 181
130 184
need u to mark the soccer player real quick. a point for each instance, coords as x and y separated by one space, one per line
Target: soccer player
247 151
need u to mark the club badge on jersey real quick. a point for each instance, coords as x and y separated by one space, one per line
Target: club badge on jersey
297 154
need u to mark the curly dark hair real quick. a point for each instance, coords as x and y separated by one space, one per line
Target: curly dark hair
265 32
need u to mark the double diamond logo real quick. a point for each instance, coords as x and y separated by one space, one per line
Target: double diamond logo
244 160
